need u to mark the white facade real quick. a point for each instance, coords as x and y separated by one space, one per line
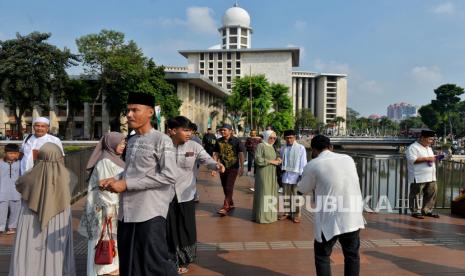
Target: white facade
325 94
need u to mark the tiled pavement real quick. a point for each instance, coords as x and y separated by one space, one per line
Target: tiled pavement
392 244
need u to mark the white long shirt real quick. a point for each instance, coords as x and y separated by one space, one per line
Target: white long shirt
420 172
293 177
334 178
34 143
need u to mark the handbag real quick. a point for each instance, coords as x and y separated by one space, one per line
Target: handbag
105 250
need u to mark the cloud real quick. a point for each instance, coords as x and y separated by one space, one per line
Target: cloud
198 19
447 8
331 67
426 75
300 24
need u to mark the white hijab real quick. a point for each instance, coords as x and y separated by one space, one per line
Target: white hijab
266 135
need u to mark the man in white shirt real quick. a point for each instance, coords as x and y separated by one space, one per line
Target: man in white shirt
33 142
294 158
422 175
339 205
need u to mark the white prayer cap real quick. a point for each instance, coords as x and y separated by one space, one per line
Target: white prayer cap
41 120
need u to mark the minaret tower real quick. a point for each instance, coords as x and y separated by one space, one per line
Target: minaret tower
236 32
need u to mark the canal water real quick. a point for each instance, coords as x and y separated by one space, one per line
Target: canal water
383 176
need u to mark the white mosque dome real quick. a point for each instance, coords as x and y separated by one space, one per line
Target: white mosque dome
236 16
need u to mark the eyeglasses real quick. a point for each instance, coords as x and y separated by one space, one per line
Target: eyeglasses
274 138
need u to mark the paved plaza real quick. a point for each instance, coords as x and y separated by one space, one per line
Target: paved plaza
390 245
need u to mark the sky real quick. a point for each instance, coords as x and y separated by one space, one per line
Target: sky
392 50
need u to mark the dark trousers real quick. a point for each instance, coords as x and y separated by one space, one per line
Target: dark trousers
143 249
350 243
251 161
228 178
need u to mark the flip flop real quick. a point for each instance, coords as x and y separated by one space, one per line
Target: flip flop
182 270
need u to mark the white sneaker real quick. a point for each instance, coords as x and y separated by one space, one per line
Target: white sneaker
280 190
252 189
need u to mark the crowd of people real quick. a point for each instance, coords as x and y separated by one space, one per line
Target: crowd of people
142 194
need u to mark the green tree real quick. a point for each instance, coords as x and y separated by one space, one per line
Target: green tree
411 122
351 117
431 117
120 68
259 88
338 121
281 117
305 119
447 103
31 70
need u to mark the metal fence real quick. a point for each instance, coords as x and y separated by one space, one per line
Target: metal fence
384 177
76 162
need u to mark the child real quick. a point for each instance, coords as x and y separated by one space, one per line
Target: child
10 199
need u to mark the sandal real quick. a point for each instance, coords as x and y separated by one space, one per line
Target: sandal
222 212
431 215
296 220
182 270
283 217
10 232
418 216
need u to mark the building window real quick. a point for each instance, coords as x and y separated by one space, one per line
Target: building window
228 64
210 65
220 72
202 65
211 78
202 72
228 72
220 64
202 56
210 72
220 56
228 56
244 32
233 31
228 78
233 47
238 64
228 86
233 40
238 71
238 55
224 32
210 56
331 78
244 40
220 79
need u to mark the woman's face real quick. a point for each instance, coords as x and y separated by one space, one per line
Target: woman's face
272 139
120 147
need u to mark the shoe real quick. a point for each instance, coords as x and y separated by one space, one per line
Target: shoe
430 215
280 190
417 215
10 232
252 189
283 217
296 220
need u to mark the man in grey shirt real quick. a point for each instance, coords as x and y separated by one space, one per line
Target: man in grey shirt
182 235
146 188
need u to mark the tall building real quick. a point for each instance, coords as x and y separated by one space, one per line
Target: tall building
325 94
401 111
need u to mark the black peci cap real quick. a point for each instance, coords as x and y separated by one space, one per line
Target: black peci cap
141 98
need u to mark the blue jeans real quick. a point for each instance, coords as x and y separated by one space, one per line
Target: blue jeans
350 243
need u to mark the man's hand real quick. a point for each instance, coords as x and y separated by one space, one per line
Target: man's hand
220 167
113 185
213 173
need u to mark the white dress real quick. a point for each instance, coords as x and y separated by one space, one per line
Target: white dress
100 204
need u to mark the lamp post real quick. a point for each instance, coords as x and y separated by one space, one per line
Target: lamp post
251 99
